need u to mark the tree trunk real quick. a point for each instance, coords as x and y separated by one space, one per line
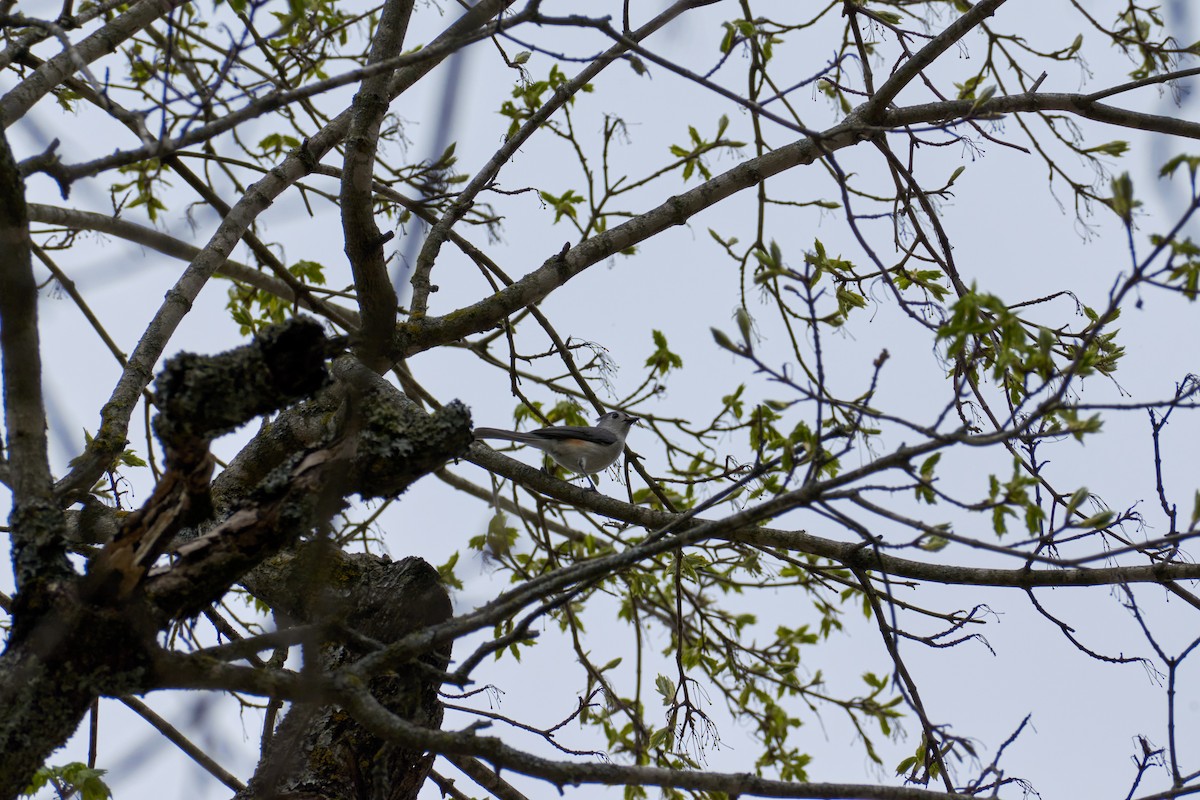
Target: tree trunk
320 751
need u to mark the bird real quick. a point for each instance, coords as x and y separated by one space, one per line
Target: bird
575 447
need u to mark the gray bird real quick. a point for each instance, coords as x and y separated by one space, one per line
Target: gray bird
574 447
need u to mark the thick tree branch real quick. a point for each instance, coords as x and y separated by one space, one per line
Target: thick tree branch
363 241
419 335
37 525
386 448
283 364
96 636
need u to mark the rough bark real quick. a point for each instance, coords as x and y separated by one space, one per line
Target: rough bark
95 635
322 751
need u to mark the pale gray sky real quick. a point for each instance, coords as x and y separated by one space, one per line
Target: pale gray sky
1009 233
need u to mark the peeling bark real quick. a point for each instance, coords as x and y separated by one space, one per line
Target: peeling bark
82 637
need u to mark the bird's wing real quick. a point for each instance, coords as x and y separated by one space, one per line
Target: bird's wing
593 435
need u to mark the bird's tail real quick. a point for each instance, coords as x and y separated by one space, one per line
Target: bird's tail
497 433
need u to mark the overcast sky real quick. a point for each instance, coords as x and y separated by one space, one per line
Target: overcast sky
1010 234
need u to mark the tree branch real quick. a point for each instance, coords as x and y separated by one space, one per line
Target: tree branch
572 773
168 245
114 416
407 69
848 553
18 100
419 335
1079 104
910 69
37 525
363 241
466 198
